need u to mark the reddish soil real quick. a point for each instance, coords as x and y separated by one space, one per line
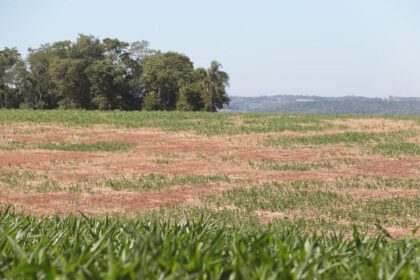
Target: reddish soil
107 202
180 154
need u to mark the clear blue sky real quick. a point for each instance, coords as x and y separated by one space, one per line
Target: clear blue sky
322 47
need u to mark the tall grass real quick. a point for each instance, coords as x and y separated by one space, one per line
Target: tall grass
88 248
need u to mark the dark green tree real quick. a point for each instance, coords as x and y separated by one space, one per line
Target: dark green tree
108 74
10 62
190 97
163 75
215 83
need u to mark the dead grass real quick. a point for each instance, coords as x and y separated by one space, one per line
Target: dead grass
188 154
372 125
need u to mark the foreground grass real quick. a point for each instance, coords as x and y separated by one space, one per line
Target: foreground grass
80 247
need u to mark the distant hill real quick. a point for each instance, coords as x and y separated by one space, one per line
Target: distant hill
326 105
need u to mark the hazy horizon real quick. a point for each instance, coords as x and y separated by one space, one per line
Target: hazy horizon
269 47
332 96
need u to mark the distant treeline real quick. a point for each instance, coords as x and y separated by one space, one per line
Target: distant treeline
108 74
327 105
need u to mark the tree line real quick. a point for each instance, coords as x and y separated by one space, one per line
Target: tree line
108 74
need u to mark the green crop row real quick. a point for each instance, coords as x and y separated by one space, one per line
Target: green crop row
71 147
93 248
199 122
159 181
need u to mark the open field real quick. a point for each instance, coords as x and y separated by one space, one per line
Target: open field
283 193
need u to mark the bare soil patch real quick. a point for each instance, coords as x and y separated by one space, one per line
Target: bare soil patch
106 202
373 124
183 153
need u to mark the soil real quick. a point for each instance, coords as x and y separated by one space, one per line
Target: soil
181 154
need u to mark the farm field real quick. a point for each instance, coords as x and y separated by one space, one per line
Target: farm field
173 194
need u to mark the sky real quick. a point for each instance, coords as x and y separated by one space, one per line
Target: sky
268 47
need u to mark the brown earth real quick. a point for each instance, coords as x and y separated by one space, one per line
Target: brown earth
181 154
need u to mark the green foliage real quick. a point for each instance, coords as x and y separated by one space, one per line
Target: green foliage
106 75
215 84
190 98
164 74
11 66
81 247
151 102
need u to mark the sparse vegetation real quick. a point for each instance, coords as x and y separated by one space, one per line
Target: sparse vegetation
71 147
28 181
270 164
87 147
321 201
397 148
159 181
361 138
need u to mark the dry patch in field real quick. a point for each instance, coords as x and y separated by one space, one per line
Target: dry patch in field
77 175
373 124
106 201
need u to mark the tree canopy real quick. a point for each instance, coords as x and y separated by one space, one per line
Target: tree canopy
108 74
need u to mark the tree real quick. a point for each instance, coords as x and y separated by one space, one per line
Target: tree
135 89
164 74
10 61
101 78
108 74
51 78
215 83
190 97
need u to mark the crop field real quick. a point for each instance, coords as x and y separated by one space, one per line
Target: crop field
119 195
